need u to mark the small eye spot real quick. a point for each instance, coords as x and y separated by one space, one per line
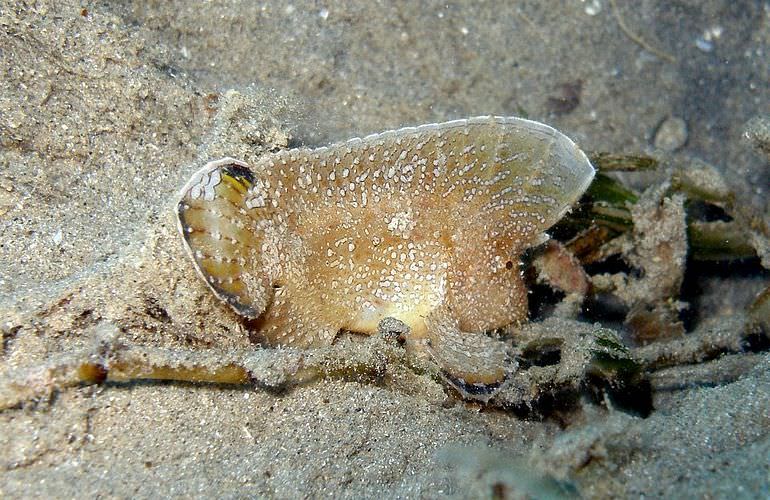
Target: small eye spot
509 265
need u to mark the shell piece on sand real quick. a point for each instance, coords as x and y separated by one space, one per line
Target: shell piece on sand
424 224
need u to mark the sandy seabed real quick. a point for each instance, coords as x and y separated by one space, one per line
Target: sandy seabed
106 109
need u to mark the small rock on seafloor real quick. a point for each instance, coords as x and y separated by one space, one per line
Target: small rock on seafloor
671 134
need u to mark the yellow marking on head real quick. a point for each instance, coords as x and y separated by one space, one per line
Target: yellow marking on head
237 182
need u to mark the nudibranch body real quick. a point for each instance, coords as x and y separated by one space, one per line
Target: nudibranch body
424 224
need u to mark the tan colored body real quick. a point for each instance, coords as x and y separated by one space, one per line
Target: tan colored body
423 224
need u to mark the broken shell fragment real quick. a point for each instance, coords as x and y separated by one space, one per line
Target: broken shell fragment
423 224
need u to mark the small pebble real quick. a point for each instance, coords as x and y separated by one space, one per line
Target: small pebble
757 132
705 42
593 7
671 134
704 45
